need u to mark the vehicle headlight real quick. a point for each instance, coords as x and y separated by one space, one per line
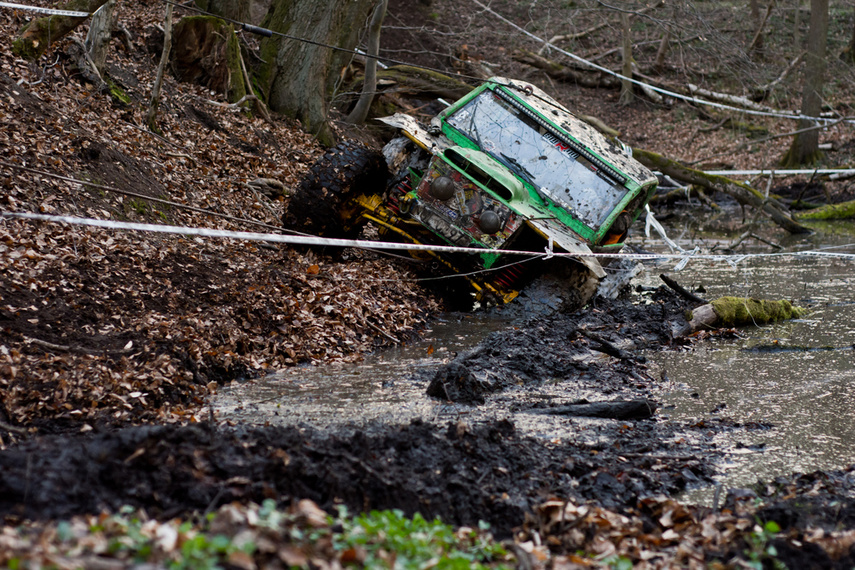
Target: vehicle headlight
442 188
490 222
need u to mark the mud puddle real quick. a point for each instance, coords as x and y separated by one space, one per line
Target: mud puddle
390 388
791 380
382 387
773 400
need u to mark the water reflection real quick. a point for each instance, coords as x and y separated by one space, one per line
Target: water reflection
797 376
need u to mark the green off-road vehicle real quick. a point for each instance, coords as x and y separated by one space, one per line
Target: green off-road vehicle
504 168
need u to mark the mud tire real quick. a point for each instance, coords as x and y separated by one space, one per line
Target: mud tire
323 203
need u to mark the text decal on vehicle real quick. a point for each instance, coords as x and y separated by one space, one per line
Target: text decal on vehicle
560 145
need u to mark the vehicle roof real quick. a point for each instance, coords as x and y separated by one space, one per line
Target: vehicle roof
590 137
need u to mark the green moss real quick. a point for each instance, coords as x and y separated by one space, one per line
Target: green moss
117 93
738 311
842 211
34 39
237 86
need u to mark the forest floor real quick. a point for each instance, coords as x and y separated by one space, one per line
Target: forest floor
112 342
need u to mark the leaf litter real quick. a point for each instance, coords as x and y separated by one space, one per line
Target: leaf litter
102 329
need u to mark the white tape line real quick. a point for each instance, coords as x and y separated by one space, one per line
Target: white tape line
365 244
779 114
777 172
45 10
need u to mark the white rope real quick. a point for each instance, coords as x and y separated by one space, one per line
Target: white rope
782 172
51 11
693 99
683 256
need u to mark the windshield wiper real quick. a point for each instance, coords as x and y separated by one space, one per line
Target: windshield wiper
517 168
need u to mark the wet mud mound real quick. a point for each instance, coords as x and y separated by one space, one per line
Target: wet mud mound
460 473
564 347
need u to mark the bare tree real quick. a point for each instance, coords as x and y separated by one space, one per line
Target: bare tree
298 77
757 42
805 146
100 33
848 54
360 111
151 117
626 69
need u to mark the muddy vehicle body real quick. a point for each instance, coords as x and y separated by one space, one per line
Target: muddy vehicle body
505 168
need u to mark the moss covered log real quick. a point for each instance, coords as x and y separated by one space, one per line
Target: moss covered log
742 193
36 37
841 211
739 311
736 312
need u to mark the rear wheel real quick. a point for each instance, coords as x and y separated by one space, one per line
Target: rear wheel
323 203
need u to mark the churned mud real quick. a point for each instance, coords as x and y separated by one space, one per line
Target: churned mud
460 471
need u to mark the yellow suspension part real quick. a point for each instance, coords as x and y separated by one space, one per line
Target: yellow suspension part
383 217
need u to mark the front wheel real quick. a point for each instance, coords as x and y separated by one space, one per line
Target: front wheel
323 203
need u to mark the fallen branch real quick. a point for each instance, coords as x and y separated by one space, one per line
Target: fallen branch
13 429
735 312
683 292
382 332
615 410
75 349
742 193
562 72
606 347
747 235
763 92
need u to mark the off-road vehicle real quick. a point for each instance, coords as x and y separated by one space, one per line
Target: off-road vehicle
504 168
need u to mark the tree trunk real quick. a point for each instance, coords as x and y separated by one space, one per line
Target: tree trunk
244 11
848 54
360 111
151 118
805 146
297 78
100 33
662 52
626 69
36 37
757 41
797 24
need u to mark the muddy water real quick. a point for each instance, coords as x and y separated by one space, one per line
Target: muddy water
379 388
792 383
795 379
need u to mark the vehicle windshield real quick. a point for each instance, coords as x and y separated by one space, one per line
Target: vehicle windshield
538 156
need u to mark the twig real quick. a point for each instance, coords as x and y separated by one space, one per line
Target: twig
75 349
262 202
680 290
381 331
13 429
